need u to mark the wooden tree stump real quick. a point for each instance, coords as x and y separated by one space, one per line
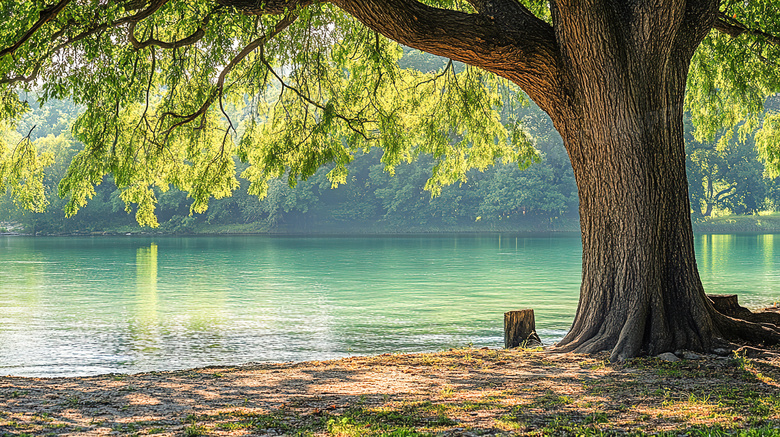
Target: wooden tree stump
520 329
728 304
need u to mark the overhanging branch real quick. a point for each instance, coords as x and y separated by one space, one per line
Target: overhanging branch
733 28
45 16
508 12
219 89
524 52
153 7
186 41
266 7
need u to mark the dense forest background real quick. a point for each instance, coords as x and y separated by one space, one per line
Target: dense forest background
726 177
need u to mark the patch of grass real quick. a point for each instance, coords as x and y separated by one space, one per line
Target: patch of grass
765 223
194 430
348 426
718 431
55 425
282 421
408 419
562 425
509 422
765 407
750 370
550 399
73 401
597 417
234 426
594 364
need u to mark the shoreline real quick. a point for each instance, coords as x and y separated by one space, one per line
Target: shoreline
460 392
523 234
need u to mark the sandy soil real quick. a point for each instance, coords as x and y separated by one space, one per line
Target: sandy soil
460 392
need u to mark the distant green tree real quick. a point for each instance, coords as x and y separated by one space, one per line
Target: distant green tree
726 175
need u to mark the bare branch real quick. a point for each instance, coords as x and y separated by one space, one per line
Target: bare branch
189 40
186 41
153 7
266 7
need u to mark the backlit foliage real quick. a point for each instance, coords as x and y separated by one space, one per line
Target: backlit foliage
155 78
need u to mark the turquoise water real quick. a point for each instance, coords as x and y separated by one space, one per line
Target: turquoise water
79 306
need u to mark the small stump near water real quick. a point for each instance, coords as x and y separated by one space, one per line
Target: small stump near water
520 329
728 304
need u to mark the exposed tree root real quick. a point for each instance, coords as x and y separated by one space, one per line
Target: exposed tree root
745 331
753 352
625 341
728 304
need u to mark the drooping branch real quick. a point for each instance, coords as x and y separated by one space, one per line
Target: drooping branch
733 28
219 89
45 16
135 18
186 41
350 122
21 78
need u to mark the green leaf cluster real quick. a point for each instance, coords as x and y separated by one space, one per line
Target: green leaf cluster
732 79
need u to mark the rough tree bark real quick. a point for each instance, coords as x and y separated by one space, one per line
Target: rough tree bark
641 292
612 76
625 68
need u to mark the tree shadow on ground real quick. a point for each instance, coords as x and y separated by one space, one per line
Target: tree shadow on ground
460 392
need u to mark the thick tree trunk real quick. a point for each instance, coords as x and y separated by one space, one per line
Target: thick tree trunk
641 292
623 128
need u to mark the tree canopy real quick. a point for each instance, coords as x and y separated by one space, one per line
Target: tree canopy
316 85
502 197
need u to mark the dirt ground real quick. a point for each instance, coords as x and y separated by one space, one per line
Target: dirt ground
458 392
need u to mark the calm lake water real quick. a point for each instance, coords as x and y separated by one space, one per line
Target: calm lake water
80 306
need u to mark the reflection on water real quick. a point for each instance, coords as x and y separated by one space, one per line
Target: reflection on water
94 305
146 282
144 323
740 264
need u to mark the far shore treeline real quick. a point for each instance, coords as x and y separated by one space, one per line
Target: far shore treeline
728 185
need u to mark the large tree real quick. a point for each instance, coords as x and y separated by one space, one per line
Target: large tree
322 82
